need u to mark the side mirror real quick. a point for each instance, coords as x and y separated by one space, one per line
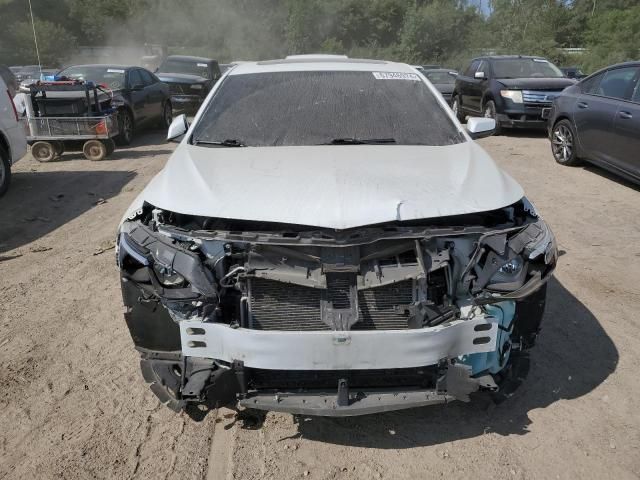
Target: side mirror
480 127
178 128
480 76
137 87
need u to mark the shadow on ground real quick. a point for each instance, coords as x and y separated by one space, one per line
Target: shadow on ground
39 202
612 177
573 356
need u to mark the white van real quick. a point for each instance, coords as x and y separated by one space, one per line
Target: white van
13 142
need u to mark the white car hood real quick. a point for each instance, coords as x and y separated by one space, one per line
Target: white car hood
336 187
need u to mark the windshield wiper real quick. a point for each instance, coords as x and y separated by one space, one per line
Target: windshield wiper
360 141
229 142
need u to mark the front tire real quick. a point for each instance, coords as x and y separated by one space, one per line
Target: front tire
167 116
563 144
94 150
125 127
491 112
5 172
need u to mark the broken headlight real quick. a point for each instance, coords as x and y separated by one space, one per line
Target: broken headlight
543 243
168 277
512 267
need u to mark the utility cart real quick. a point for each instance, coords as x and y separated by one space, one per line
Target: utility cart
70 114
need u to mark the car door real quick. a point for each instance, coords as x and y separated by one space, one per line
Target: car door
138 96
479 86
154 95
466 83
594 114
626 131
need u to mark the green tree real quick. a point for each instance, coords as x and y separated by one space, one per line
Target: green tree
54 42
613 37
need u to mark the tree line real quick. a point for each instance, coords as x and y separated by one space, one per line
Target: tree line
446 32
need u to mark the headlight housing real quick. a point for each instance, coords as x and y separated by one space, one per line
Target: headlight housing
168 277
514 95
512 267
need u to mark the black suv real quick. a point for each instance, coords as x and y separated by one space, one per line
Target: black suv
190 80
515 90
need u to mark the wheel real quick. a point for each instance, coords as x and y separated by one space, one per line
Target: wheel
110 145
94 150
563 144
490 112
43 151
167 116
457 110
5 172
58 147
125 127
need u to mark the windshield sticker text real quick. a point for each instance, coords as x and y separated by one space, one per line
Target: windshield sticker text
396 76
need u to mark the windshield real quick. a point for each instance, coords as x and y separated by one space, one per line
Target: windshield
324 107
190 68
525 68
112 77
441 78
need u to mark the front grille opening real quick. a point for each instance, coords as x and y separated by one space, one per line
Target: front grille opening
278 305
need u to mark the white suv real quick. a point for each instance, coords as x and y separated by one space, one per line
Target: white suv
13 142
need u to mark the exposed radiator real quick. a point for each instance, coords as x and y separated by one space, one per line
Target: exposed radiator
282 306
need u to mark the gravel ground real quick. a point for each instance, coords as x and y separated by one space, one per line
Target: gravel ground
73 403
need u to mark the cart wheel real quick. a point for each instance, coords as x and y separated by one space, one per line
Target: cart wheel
94 150
110 145
43 151
58 147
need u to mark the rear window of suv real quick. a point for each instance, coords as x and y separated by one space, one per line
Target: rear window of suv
317 107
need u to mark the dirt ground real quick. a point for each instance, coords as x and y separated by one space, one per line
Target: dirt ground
73 404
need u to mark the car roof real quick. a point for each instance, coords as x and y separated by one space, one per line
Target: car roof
500 57
189 58
297 63
105 65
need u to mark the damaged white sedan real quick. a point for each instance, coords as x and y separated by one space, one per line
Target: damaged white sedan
327 239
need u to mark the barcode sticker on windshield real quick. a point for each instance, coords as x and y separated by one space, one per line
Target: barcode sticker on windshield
202 65
114 70
540 60
396 76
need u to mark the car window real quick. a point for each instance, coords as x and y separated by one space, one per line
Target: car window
591 85
525 68
318 107
472 68
441 78
147 78
112 77
135 78
636 92
194 67
484 68
618 83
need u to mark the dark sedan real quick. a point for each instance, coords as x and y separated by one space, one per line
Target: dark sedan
443 79
598 120
190 79
141 98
